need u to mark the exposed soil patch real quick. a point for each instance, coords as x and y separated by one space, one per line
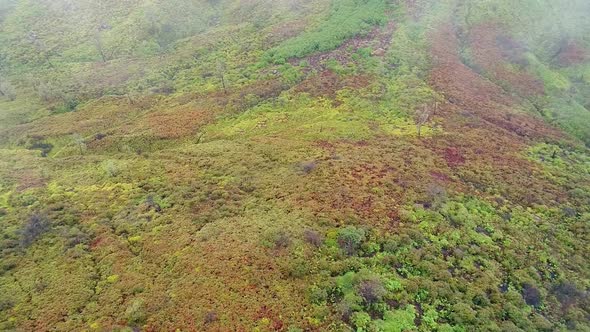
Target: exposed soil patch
177 124
28 179
327 83
235 98
286 31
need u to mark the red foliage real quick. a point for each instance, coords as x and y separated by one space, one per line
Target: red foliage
493 50
97 242
367 180
177 124
440 176
485 137
265 312
477 97
453 157
572 54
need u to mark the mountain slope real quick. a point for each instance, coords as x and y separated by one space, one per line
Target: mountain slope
316 165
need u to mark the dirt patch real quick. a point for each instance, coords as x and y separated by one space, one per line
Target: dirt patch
235 98
327 83
28 179
286 31
177 124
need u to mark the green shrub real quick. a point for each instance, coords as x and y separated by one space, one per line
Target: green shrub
69 105
111 168
290 74
135 313
298 268
371 248
398 320
361 320
463 314
317 295
347 18
277 239
350 239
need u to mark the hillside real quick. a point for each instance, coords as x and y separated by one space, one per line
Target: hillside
294 165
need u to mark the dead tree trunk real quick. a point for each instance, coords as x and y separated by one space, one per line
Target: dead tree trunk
422 118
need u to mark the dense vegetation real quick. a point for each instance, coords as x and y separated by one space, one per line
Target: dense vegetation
294 165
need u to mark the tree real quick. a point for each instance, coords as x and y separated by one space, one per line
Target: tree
531 295
99 44
350 239
112 170
49 91
371 290
42 49
3 62
220 71
6 89
312 237
35 227
423 116
79 141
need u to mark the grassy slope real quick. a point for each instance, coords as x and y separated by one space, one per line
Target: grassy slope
139 192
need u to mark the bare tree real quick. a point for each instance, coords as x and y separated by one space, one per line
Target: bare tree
6 89
220 71
79 141
130 97
99 44
111 168
41 48
423 115
2 88
3 62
